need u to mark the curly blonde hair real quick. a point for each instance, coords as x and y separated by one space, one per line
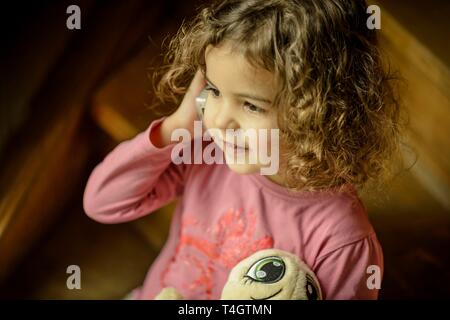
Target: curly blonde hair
336 108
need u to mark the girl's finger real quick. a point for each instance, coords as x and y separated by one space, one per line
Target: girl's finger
197 84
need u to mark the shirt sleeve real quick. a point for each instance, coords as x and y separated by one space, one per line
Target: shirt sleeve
350 271
134 179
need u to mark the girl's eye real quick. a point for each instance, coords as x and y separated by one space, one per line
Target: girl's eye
254 109
248 106
215 92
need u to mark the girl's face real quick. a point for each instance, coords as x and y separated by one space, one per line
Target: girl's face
239 97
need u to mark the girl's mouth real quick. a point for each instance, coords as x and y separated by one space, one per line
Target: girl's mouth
232 146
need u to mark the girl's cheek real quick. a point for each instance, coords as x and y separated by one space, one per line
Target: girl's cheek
206 119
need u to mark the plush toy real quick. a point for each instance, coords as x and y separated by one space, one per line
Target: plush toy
267 274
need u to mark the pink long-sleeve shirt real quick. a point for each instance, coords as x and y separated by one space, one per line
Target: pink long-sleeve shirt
223 217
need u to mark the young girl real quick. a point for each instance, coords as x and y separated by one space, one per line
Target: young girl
310 69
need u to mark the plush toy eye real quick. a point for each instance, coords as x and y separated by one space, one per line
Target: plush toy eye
311 288
267 270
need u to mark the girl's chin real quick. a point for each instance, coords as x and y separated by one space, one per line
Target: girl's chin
243 168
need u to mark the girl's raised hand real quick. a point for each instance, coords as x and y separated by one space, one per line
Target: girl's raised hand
186 113
184 116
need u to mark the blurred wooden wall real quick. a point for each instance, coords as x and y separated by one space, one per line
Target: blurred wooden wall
49 73
415 36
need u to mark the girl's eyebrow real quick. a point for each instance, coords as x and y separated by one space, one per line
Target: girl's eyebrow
242 95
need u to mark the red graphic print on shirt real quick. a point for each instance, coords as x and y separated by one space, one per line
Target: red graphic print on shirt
223 245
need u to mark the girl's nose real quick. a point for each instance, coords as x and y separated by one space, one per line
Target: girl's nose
225 117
